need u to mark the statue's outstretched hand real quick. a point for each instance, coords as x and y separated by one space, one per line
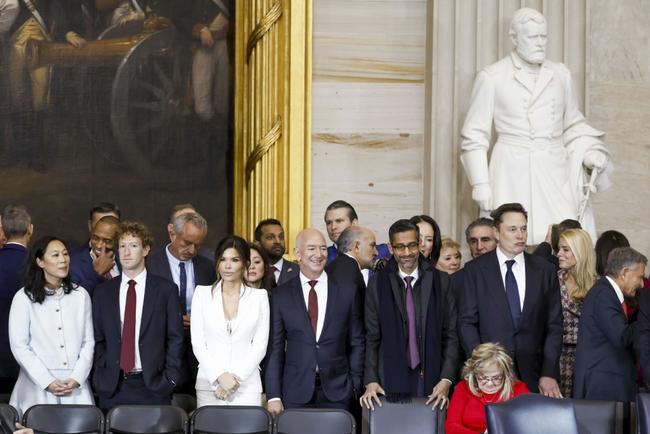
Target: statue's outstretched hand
482 195
595 159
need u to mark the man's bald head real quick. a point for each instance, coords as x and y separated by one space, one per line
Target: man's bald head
311 251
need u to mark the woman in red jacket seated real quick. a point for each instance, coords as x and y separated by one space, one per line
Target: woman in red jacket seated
488 377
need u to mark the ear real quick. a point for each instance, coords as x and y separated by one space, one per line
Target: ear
30 230
170 231
90 226
390 248
145 250
296 253
354 221
40 263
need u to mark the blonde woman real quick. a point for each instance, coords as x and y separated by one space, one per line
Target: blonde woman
488 377
577 274
230 331
450 257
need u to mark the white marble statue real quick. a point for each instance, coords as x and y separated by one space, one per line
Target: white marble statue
545 151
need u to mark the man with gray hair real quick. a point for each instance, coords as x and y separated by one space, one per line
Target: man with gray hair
545 149
480 236
180 263
605 358
18 228
359 248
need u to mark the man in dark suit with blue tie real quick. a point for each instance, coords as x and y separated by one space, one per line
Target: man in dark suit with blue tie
317 342
605 358
18 229
513 298
180 263
138 330
270 237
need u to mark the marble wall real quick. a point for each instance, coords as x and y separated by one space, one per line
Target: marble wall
391 83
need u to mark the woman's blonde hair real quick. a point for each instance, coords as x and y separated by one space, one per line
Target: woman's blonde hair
584 272
448 242
487 355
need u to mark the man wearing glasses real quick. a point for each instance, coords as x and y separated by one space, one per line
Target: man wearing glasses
411 342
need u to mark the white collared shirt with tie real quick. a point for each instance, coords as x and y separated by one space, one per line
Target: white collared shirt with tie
519 271
140 280
321 293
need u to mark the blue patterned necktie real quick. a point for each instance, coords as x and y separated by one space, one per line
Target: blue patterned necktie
183 286
512 293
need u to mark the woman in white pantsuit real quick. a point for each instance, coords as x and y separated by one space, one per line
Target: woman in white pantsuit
51 332
230 329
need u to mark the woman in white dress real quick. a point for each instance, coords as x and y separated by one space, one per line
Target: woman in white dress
51 332
230 329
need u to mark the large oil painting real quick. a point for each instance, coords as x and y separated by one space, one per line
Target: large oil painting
127 101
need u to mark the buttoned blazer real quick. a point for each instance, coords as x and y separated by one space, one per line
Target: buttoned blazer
431 283
160 338
605 359
12 264
484 315
296 355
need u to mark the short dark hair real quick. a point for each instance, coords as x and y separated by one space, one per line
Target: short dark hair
498 213
622 257
437 238
338 204
237 243
560 228
105 207
137 230
402 225
15 221
481 221
110 220
265 222
35 276
608 241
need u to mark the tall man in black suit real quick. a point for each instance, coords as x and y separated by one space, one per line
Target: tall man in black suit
18 228
180 263
512 297
410 317
317 342
605 359
138 330
358 249
270 236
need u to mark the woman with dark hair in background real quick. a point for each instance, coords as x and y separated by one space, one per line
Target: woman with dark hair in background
430 238
608 241
259 273
51 331
230 331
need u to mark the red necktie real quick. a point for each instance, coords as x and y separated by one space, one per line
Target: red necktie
273 270
624 306
127 352
312 308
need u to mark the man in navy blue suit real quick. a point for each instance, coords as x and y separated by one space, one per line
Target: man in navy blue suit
317 342
18 228
512 297
138 330
90 266
605 359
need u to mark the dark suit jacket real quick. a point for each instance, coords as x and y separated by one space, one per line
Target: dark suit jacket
345 270
604 367
289 271
160 339
545 250
484 316
81 269
431 283
295 353
12 265
382 252
158 264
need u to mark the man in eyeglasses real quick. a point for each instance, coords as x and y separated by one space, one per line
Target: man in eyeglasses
411 342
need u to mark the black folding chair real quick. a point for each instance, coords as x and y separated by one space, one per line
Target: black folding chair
64 419
184 401
147 419
315 421
8 418
413 418
532 413
235 419
643 413
595 417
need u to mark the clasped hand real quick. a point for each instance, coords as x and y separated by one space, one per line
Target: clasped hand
228 384
62 387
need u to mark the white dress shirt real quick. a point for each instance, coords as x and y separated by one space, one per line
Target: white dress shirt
140 288
518 269
617 289
365 273
415 275
176 275
321 293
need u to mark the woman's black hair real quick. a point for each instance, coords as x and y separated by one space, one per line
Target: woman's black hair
268 280
437 238
608 241
237 243
35 276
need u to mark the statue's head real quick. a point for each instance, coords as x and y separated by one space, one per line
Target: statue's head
528 34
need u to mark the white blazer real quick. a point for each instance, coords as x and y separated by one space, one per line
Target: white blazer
238 348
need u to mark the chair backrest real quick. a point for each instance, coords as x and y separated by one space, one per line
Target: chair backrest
147 419
64 419
315 421
595 417
532 413
8 418
643 413
184 401
235 419
412 418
